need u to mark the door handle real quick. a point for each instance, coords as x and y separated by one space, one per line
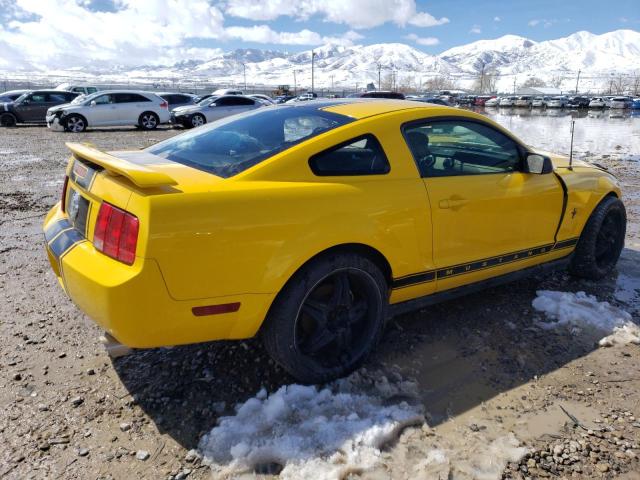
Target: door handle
454 203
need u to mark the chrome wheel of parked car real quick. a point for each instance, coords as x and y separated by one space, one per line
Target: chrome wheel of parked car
148 121
328 318
75 123
197 120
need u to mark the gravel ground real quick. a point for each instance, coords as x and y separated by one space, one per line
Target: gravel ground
483 368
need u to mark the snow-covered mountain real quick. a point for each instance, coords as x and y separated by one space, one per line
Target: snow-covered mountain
511 57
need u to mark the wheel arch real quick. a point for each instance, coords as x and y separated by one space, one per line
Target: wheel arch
10 114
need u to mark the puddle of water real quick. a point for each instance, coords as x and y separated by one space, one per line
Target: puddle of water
596 133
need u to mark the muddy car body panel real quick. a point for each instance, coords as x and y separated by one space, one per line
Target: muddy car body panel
217 242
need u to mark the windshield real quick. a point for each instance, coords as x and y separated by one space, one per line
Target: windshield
232 145
22 97
79 99
207 101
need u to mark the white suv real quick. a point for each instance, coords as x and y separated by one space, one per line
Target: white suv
109 109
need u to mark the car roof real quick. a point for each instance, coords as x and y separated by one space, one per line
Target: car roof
359 108
174 93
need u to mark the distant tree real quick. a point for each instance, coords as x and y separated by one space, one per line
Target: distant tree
556 81
534 82
619 85
485 82
439 82
635 85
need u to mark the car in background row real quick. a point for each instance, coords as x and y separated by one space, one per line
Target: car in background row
379 94
492 102
212 109
31 107
226 91
481 100
265 98
145 110
80 89
507 101
539 102
578 102
557 102
635 103
597 102
620 102
284 98
522 101
11 95
433 100
176 100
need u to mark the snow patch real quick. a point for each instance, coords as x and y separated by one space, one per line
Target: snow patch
311 432
627 289
579 310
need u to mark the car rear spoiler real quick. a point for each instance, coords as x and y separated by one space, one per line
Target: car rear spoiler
141 175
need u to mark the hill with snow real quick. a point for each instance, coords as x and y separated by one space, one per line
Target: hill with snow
598 57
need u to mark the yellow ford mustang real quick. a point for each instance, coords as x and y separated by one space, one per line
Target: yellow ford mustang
310 223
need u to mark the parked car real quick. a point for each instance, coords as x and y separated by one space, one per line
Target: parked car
309 225
620 102
213 109
11 95
80 89
481 100
522 101
492 102
200 98
226 91
31 107
597 102
111 108
465 100
284 98
635 104
382 94
578 102
176 100
265 98
434 100
539 102
557 102
507 101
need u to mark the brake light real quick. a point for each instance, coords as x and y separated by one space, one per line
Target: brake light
63 199
116 233
164 104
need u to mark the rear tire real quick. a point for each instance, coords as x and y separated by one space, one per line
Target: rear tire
148 121
601 241
75 123
327 318
7 120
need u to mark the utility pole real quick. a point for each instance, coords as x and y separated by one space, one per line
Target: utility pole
514 85
379 76
332 82
313 56
482 79
578 81
244 74
295 83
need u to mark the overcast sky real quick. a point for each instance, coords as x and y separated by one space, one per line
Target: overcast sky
74 32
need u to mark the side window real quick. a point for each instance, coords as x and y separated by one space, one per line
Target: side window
180 99
56 98
103 99
361 156
459 147
92 89
223 102
130 98
38 98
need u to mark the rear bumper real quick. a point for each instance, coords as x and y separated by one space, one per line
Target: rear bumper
132 303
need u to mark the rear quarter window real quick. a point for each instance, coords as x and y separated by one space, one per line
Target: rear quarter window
360 156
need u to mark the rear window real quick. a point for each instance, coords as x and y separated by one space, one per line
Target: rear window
233 144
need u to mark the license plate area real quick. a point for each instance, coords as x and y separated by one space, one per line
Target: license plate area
77 207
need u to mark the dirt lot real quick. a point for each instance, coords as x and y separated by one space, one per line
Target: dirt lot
490 379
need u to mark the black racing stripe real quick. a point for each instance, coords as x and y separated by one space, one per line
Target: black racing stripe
51 232
463 268
565 243
414 279
64 241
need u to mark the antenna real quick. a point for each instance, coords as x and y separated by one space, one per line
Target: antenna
573 124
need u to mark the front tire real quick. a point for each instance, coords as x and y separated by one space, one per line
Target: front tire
601 241
197 120
327 318
148 121
75 124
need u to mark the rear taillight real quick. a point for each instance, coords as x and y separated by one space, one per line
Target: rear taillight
116 233
164 105
63 199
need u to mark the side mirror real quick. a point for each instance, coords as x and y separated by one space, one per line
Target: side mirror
93 103
539 164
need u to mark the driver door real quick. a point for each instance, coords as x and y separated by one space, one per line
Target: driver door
104 112
484 208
